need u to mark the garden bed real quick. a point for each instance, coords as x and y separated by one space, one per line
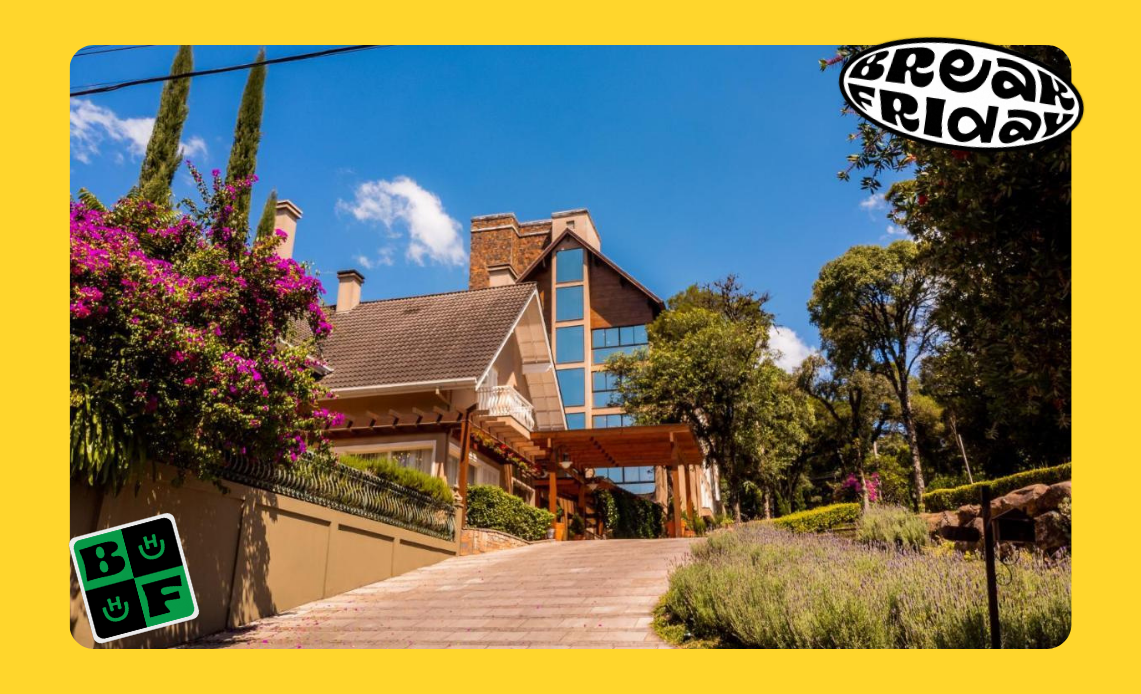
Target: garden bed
764 587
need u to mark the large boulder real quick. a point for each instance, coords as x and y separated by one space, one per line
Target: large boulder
935 521
1052 498
968 513
1051 532
1021 499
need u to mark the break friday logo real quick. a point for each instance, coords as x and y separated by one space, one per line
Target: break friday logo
134 578
960 94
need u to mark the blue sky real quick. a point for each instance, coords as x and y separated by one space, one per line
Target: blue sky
694 162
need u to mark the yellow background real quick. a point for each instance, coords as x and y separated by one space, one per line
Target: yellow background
39 40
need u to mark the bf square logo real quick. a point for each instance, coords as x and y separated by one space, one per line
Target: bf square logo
134 578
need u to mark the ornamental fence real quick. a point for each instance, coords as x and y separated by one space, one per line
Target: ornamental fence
348 490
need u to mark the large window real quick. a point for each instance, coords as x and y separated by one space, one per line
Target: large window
636 480
568 345
572 383
415 458
568 265
576 420
607 341
605 389
568 303
609 421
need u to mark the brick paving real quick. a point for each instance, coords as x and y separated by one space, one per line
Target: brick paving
550 595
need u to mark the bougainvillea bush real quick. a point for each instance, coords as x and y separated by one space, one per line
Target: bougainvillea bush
765 587
182 349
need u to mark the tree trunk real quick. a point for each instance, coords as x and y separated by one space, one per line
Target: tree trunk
768 504
913 445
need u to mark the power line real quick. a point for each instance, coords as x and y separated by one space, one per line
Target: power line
214 71
106 49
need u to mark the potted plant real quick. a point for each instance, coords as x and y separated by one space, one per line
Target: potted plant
577 527
560 524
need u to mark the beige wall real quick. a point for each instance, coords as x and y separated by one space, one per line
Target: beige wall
251 553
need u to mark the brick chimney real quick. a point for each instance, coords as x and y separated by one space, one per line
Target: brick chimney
502 248
285 218
348 290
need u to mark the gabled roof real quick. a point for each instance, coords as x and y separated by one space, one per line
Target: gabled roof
523 276
437 339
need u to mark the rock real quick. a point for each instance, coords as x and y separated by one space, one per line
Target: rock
1051 532
935 521
1052 498
968 513
1019 499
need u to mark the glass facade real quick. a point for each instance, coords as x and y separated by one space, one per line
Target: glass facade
604 386
636 480
568 266
572 383
607 341
568 303
609 421
576 420
569 345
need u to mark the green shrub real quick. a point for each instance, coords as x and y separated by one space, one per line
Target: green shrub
490 507
638 518
893 526
577 525
607 508
950 499
820 519
763 587
388 469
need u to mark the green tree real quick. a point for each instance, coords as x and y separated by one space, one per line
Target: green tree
856 403
163 149
705 367
247 137
996 229
268 217
873 308
785 423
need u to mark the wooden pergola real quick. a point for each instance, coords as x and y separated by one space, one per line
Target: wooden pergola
669 446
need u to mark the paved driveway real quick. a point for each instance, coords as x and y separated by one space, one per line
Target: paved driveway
552 595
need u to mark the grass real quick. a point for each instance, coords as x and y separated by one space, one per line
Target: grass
765 587
892 526
392 471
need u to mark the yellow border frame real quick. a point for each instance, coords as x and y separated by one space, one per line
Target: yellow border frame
36 54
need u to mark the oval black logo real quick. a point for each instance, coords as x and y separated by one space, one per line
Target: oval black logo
960 94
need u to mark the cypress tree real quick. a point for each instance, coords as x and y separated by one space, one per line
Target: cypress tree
247 135
268 215
162 157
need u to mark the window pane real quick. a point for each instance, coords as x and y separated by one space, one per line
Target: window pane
572 383
576 420
612 335
626 336
568 303
598 421
568 344
605 398
640 335
597 337
568 265
599 380
639 488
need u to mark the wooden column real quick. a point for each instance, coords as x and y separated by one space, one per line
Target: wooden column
674 477
465 451
553 490
693 488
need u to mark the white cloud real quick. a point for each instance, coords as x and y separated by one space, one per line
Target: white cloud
401 202
363 261
893 230
873 203
93 125
789 351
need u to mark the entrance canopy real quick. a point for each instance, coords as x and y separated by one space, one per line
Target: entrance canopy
658 445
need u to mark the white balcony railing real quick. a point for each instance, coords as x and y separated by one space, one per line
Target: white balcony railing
505 401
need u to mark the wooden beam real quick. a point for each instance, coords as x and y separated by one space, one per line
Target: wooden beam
676 501
465 451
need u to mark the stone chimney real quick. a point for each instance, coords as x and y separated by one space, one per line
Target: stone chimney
348 290
285 218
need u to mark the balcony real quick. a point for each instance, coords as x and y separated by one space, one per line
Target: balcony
505 401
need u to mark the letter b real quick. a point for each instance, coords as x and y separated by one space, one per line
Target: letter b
101 560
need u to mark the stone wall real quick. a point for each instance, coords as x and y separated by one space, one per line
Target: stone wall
1046 505
484 540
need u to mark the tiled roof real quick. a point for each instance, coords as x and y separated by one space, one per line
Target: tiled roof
436 337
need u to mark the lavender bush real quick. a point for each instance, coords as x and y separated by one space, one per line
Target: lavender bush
764 587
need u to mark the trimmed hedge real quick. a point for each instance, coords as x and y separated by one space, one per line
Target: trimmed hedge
638 518
950 499
490 507
819 519
392 471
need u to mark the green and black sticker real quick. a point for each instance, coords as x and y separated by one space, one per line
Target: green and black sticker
134 578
